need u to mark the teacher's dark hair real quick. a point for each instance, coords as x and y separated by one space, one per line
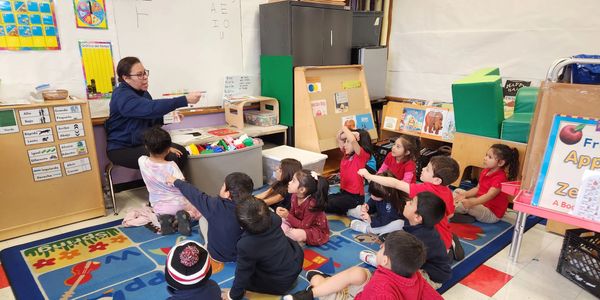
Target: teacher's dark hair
125 65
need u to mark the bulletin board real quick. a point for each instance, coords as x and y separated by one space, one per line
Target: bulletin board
28 25
325 98
50 173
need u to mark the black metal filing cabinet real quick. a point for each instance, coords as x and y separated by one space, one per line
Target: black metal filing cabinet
313 34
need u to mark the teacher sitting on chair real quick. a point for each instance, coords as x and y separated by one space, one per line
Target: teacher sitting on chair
132 112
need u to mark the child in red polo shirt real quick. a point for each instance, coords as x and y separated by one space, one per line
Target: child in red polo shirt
486 202
436 176
401 159
396 277
357 148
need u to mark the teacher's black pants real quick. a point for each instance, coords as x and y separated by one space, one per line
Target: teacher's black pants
128 157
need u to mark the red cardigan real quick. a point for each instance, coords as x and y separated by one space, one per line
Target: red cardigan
314 223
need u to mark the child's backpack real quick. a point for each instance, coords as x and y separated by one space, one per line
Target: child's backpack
427 154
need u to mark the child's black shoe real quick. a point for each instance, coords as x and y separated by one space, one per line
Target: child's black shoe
166 224
457 251
311 273
183 223
303 295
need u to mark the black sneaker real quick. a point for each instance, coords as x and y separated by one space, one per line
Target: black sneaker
166 224
303 295
311 273
183 223
462 218
458 253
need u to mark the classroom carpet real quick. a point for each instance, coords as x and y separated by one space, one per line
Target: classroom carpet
109 261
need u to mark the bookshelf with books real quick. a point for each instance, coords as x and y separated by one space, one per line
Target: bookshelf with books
433 125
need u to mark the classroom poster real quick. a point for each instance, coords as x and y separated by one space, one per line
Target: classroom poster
90 14
319 107
341 102
364 121
412 119
98 69
573 147
28 25
390 123
349 121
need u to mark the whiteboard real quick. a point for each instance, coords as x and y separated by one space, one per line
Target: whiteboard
186 45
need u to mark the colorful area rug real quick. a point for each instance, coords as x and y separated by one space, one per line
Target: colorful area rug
113 262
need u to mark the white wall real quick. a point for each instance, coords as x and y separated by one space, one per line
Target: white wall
433 43
21 71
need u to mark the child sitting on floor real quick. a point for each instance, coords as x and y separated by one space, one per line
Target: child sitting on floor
422 213
486 202
401 159
167 201
396 276
383 212
277 195
223 228
306 221
436 176
268 262
187 272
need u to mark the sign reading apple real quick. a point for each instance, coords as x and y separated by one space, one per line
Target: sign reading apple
571 134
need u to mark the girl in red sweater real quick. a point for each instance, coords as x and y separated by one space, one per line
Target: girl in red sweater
306 220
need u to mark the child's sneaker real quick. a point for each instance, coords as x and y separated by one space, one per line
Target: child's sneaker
458 253
166 224
360 226
355 212
311 273
183 223
368 257
302 295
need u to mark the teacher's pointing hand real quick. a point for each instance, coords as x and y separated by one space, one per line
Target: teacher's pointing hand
193 97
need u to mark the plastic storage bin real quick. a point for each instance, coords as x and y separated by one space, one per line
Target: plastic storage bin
273 157
260 118
207 171
579 259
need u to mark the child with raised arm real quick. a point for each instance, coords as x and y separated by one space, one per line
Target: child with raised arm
167 202
357 148
277 194
223 228
382 214
436 176
268 261
306 221
486 202
396 276
401 159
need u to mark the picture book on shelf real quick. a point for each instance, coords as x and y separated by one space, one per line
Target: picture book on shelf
434 121
573 147
412 119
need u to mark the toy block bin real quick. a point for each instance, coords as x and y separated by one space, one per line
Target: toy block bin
207 172
234 109
273 157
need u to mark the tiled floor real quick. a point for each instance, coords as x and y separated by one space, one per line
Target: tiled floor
532 277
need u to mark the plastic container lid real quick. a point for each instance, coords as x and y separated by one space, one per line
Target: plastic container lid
304 156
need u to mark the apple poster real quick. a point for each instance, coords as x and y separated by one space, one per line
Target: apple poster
573 147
